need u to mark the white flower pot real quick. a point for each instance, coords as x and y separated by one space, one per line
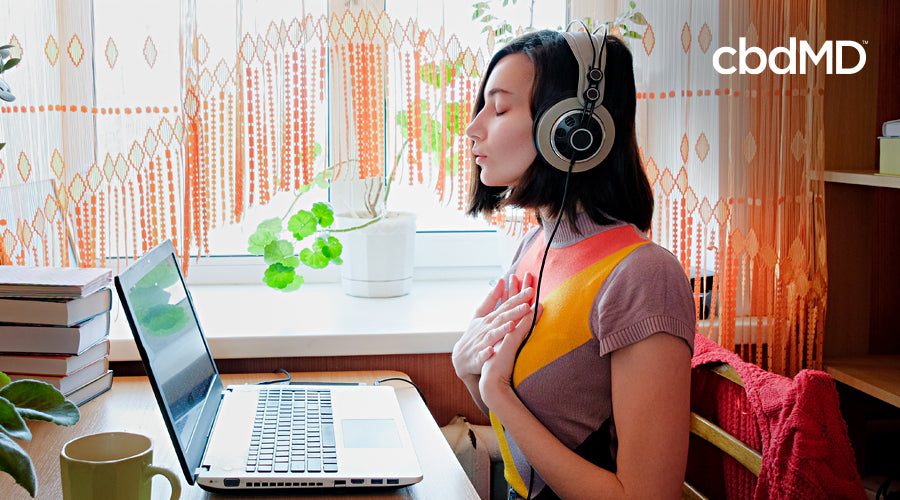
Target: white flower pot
378 259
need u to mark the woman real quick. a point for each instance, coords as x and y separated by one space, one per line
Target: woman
595 404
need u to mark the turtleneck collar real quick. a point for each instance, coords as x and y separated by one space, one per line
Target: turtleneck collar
566 236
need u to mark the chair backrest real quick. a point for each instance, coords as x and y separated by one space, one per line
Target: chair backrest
721 439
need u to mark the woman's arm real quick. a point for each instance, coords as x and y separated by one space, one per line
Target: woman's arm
651 409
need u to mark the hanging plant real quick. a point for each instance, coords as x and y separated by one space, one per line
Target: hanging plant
6 63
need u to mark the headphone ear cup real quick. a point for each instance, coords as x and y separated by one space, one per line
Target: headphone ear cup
559 136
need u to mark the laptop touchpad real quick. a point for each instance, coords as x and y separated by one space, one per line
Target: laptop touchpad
370 433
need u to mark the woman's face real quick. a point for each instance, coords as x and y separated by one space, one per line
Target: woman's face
501 132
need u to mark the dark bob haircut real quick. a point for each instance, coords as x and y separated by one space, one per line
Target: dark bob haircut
618 188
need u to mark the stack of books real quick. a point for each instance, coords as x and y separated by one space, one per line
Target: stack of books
54 327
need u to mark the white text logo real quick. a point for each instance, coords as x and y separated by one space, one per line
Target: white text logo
833 58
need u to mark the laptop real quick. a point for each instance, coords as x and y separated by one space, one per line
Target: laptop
255 437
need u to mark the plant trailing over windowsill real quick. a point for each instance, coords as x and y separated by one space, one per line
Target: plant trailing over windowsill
6 63
32 400
276 239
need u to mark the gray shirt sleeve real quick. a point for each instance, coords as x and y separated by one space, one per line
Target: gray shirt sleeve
647 293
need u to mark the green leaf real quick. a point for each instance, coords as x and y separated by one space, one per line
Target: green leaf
323 252
281 277
302 224
293 285
266 232
632 5
5 47
639 18
2 144
272 225
323 213
10 63
38 400
277 252
11 422
332 247
15 462
313 259
488 18
633 34
4 379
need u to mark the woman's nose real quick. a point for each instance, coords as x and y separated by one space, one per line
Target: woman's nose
474 131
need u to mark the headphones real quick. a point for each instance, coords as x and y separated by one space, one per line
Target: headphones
578 132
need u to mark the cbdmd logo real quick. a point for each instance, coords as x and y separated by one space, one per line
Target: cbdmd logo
832 54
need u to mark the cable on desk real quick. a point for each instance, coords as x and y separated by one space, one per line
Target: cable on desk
277 380
410 382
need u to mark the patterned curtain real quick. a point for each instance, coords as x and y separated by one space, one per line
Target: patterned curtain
139 122
136 122
736 164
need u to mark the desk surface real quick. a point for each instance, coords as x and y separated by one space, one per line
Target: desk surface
130 406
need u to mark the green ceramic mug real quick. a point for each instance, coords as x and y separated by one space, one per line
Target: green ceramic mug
111 465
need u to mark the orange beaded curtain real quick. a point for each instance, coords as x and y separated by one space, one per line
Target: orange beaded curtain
197 111
737 169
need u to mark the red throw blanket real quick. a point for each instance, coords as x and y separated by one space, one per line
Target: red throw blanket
796 424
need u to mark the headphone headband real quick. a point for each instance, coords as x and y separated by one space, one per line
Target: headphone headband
591 55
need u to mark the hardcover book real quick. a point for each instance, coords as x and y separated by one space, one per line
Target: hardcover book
41 339
39 364
55 311
91 390
68 383
63 282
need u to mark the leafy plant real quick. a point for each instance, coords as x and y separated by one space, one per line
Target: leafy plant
276 239
625 22
503 31
32 400
437 135
279 254
6 63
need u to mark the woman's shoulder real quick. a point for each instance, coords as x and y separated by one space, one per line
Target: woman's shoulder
652 263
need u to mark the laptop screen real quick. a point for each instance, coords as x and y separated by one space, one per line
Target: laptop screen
172 347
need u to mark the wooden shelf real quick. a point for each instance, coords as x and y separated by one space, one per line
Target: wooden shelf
862 178
875 375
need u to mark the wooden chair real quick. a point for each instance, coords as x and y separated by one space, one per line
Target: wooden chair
718 437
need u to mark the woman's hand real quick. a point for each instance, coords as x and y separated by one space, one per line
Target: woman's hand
496 373
490 325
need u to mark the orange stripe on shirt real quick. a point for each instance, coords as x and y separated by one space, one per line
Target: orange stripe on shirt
587 252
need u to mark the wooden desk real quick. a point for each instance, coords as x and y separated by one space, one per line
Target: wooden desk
130 406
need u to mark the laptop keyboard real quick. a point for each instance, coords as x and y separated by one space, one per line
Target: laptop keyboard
293 431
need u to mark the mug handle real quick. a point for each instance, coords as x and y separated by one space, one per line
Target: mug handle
153 470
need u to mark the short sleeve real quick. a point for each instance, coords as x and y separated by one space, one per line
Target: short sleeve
647 293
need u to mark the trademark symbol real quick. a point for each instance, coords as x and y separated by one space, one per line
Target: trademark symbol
865 42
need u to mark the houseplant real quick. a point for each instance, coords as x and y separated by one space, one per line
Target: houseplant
373 245
6 62
32 400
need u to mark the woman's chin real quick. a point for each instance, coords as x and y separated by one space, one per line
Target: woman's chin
489 181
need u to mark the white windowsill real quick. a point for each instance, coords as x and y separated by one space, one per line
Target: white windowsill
253 321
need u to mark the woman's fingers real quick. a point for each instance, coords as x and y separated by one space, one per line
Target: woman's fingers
490 302
515 334
514 301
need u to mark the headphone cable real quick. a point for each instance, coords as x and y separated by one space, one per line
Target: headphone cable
588 110
537 294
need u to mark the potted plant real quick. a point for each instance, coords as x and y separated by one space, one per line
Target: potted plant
372 236
373 245
6 62
32 400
